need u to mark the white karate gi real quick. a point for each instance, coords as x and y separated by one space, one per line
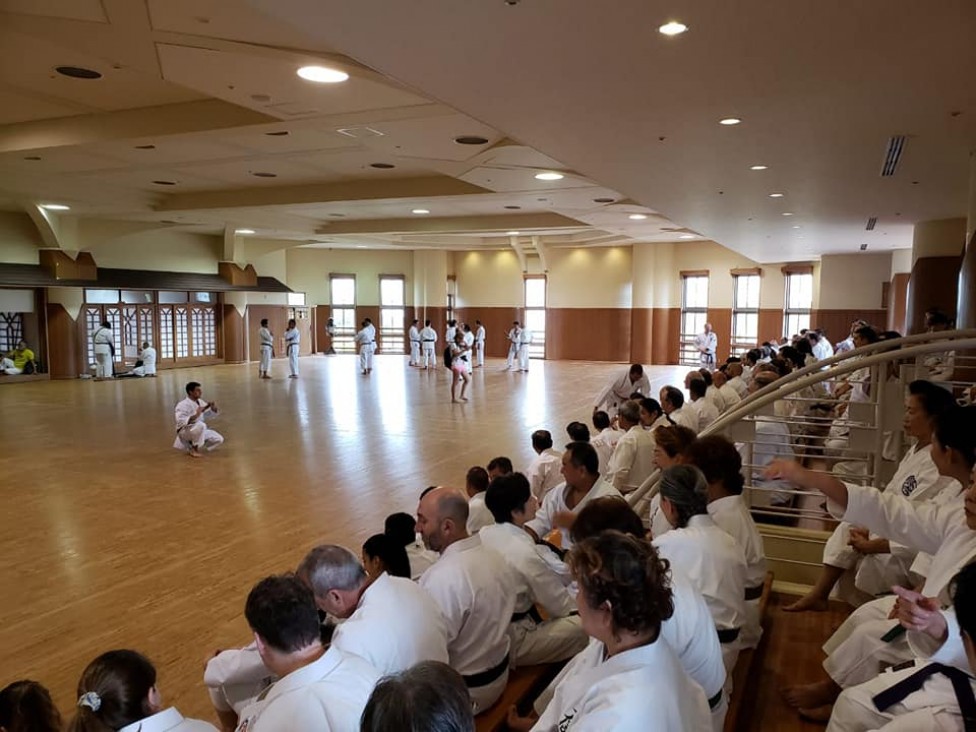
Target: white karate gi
366 338
707 343
740 384
525 339
414 336
713 395
396 625
104 345
619 390
194 433
479 339
855 650
632 460
428 337
643 689
475 591
773 441
604 443
917 479
933 707
328 694
293 346
450 333
685 416
513 337
148 356
940 365
236 677
823 349
706 411
715 564
421 558
555 501
544 472
730 396
267 347
168 720
469 342
560 636
478 514
732 516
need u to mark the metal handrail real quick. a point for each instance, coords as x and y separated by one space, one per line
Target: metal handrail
846 363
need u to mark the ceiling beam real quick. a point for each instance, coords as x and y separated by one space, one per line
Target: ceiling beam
449 224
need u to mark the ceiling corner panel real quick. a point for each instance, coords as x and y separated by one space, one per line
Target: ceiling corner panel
90 11
17 106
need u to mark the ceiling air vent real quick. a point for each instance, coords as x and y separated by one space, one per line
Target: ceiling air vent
872 222
896 145
864 247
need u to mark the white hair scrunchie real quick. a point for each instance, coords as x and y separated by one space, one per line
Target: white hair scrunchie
91 700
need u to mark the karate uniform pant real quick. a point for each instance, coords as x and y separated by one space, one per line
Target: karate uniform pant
293 360
752 629
856 652
200 437
414 353
547 642
932 708
523 355
103 365
7 366
482 697
265 366
512 353
479 347
366 357
429 358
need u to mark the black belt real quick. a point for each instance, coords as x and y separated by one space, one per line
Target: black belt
716 700
532 612
754 593
415 341
483 678
292 345
961 685
428 341
266 345
727 635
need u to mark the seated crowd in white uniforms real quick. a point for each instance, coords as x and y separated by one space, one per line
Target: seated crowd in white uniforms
673 404
632 460
543 472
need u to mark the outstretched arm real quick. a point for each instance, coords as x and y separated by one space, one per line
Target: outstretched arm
809 480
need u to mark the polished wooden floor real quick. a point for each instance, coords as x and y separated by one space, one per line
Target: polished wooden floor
110 538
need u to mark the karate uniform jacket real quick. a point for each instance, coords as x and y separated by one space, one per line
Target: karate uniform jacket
478 514
604 443
619 390
706 411
686 417
168 720
545 472
555 501
632 460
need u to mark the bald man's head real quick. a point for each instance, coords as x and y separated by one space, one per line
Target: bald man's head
442 518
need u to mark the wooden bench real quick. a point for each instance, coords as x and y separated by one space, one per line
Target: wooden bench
747 669
524 685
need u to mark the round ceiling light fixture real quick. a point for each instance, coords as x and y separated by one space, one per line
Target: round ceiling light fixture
145 147
758 167
382 166
513 208
637 217
420 211
776 195
278 133
602 200
471 140
672 28
55 207
322 74
77 72
33 157
244 231
729 121
164 182
549 176
513 233
261 174
787 213
687 236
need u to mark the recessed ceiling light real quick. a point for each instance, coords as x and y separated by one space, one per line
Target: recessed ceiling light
33 157
244 231
687 236
729 121
787 213
758 167
549 176
471 140
513 233
382 166
77 72
361 246
672 28
145 147
420 211
637 217
797 226
322 75
513 208
164 182
55 207
602 200
776 195
337 215
278 133
261 174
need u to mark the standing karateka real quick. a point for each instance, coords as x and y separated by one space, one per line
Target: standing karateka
292 345
148 359
366 338
192 433
451 331
619 390
706 343
479 342
428 337
469 341
414 336
104 350
513 336
330 330
525 340
266 339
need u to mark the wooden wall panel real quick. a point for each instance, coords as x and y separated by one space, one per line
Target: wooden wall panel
770 324
641 336
721 320
836 324
588 334
233 336
898 302
934 282
665 335
64 343
497 322
277 316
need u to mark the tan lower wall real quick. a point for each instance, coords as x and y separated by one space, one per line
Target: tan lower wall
588 334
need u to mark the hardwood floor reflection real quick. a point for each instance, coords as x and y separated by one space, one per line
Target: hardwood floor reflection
110 538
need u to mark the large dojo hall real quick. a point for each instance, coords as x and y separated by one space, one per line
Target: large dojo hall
650 325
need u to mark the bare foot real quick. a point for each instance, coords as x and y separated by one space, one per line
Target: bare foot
810 696
455 401
807 603
821 715
194 453
464 399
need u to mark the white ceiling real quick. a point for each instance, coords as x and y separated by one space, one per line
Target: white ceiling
207 82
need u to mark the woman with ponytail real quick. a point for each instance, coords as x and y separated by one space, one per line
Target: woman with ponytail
26 706
118 692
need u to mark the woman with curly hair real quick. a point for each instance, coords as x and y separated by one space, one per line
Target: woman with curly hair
627 679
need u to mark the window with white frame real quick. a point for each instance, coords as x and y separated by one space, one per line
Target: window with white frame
799 301
535 314
745 312
392 313
296 298
694 315
342 294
